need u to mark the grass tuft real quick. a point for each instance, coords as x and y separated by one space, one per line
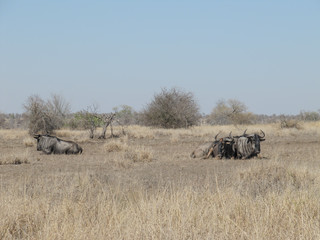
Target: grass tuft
140 154
29 142
115 146
14 160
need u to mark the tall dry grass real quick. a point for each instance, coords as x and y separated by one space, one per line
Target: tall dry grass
274 199
273 202
205 131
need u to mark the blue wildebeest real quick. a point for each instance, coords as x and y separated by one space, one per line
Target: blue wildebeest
208 149
221 148
247 145
50 144
228 150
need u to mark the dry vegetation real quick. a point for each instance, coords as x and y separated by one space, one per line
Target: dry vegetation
145 186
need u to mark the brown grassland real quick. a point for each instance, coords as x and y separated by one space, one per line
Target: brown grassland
145 186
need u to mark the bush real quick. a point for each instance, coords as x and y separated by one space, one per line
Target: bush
291 123
44 117
39 116
309 116
230 112
171 109
125 115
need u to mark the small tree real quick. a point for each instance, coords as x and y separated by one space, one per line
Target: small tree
89 119
38 115
171 109
107 120
230 112
125 114
59 109
289 122
44 117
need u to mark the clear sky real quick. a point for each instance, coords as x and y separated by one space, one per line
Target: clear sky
265 54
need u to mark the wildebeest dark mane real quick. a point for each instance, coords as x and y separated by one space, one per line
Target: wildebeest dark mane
59 139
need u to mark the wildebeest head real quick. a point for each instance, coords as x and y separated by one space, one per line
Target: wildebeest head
227 145
224 147
254 140
38 139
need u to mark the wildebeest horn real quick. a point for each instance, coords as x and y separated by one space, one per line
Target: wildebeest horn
215 138
36 136
263 134
244 133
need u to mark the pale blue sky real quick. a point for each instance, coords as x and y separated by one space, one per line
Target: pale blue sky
263 53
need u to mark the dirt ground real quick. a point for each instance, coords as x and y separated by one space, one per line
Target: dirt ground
170 161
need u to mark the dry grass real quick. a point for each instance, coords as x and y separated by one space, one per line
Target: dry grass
12 134
139 132
84 208
14 159
73 135
129 153
139 154
115 146
29 142
145 186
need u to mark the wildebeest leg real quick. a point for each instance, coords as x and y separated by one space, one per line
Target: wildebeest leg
47 150
70 151
209 153
220 155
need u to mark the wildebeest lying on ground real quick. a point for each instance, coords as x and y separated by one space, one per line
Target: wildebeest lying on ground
248 145
50 144
222 148
240 147
217 148
205 150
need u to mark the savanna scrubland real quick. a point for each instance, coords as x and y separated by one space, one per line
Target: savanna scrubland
144 185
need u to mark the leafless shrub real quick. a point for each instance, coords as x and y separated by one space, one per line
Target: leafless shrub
12 121
171 109
230 112
309 116
44 117
290 123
